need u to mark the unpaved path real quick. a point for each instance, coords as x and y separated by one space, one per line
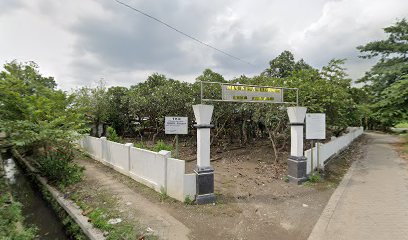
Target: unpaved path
372 200
147 213
252 201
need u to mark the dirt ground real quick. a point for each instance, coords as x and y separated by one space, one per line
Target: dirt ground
253 200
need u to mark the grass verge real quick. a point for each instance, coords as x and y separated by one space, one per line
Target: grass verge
402 125
404 147
102 207
337 167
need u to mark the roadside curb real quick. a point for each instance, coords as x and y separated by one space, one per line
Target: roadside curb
321 225
73 210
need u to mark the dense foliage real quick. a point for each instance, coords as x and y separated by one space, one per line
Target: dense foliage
33 111
11 216
11 220
37 116
58 167
388 78
139 111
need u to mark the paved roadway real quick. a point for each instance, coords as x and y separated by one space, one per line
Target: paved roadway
371 202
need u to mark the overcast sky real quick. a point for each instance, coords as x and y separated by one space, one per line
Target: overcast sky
81 41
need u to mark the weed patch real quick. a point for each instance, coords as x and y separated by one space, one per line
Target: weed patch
112 135
59 169
11 218
188 200
100 208
161 145
314 177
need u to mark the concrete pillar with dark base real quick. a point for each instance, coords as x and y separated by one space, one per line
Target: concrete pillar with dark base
296 160
204 171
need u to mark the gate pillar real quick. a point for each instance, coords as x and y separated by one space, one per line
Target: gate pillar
296 161
204 171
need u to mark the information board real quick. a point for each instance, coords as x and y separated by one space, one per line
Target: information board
315 126
176 125
251 93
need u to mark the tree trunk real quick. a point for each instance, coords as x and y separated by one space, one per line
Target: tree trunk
244 133
271 138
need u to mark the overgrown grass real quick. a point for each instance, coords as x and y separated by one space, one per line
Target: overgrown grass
11 219
100 220
315 177
337 167
103 207
141 145
189 200
402 125
161 145
59 169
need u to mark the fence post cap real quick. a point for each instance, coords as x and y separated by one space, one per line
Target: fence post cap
165 153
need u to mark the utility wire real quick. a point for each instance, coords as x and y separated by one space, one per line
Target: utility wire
182 33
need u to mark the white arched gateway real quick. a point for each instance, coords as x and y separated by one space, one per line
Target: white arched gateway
243 93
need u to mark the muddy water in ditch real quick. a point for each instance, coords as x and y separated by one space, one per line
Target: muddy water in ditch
35 210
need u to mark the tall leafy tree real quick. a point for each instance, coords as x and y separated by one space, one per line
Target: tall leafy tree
157 97
93 104
118 114
285 65
33 111
388 76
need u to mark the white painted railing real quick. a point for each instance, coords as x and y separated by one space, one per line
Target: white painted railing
155 170
328 150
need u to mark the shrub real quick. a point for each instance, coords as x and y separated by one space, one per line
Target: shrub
315 177
141 145
11 215
58 167
112 135
188 200
163 194
161 145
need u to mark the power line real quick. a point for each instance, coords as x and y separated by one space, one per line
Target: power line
182 33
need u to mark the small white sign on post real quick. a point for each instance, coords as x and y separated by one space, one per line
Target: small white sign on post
315 126
176 125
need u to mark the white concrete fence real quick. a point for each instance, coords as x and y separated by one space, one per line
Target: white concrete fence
330 149
155 170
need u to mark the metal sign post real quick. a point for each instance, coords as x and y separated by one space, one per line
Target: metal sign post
176 125
315 130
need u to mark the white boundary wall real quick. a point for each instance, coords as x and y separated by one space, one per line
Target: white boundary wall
331 148
155 170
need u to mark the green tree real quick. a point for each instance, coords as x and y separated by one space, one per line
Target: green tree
33 111
335 72
157 97
117 112
285 65
327 91
93 104
388 76
392 108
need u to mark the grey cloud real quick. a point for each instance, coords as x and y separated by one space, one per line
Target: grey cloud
133 41
105 39
8 6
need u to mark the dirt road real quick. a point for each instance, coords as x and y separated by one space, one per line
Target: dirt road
131 202
252 201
